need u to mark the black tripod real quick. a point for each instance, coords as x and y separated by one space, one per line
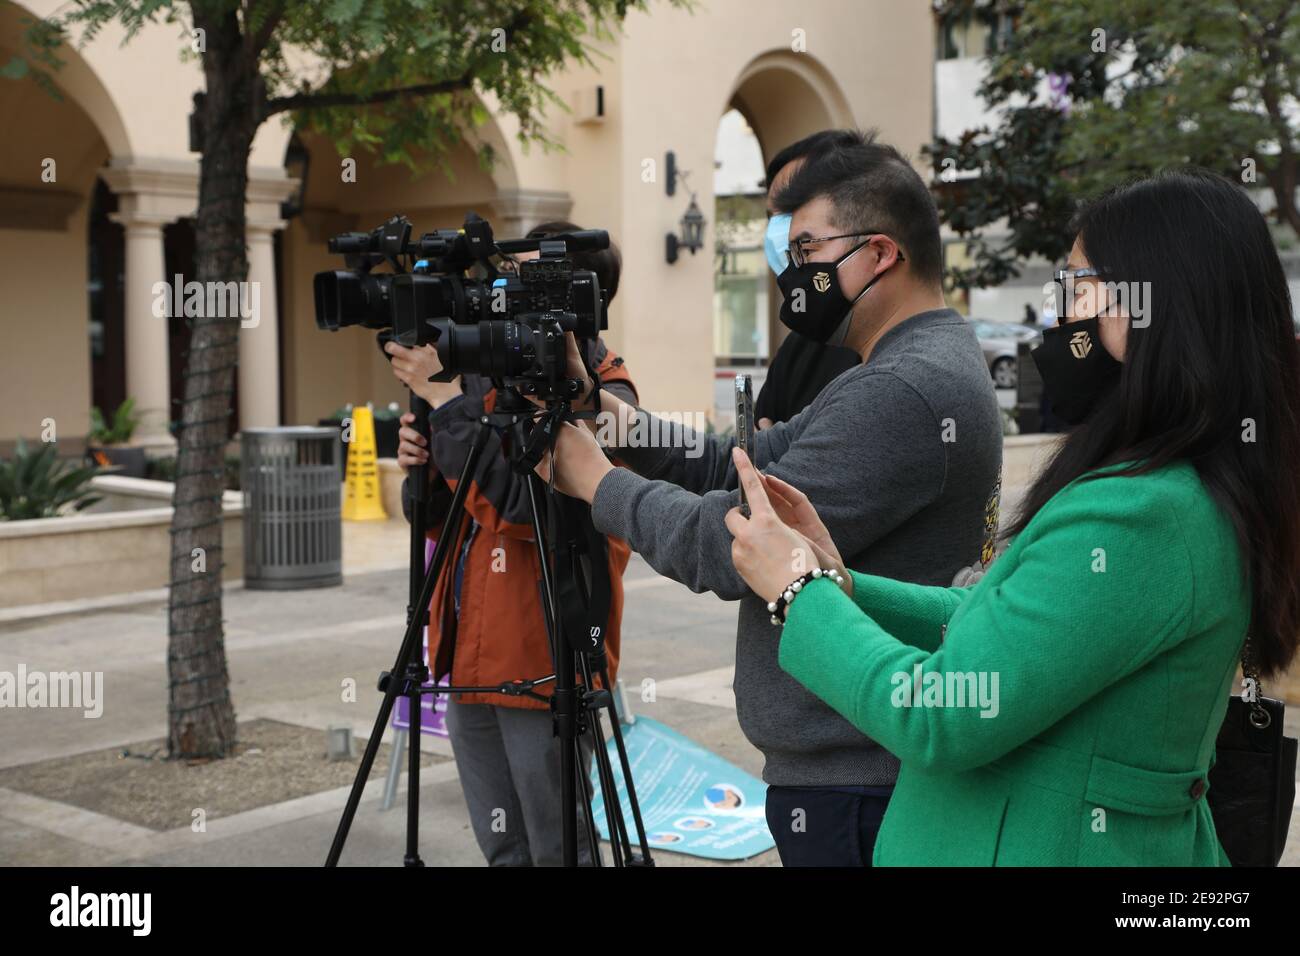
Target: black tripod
566 601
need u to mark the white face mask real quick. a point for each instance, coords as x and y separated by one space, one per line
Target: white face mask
776 242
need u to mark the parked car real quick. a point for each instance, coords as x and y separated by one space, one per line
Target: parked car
1000 341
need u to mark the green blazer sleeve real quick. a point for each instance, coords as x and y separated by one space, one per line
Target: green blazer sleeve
1102 582
913 613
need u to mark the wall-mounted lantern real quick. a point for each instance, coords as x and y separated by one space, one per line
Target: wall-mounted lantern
692 223
196 122
296 161
692 236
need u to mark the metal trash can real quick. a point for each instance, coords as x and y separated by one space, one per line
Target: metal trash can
293 526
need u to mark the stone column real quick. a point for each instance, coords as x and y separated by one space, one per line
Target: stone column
259 352
150 194
148 379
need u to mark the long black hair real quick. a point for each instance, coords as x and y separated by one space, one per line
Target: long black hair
1214 359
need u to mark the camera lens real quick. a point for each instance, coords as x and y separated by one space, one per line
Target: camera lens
496 348
346 298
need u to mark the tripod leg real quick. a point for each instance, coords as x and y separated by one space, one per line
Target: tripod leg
411 642
568 769
588 817
565 662
608 785
415 670
564 697
416 673
617 732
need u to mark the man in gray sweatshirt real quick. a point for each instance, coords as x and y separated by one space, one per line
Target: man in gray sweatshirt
900 455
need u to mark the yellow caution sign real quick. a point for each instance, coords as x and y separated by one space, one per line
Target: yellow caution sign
361 495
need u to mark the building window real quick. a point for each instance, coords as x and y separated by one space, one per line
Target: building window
740 305
983 32
740 312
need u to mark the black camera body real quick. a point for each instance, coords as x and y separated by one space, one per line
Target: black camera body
507 327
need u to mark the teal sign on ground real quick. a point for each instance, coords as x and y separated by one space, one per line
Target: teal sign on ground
692 801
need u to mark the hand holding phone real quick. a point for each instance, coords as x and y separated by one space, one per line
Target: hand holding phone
745 427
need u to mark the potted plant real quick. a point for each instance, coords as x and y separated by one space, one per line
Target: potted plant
35 484
108 442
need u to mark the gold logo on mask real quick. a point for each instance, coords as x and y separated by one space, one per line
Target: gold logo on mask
822 281
1080 344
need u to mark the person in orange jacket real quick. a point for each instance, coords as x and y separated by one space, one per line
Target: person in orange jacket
486 625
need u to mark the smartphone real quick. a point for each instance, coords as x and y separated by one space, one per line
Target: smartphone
745 427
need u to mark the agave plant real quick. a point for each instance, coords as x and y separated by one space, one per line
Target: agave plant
36 484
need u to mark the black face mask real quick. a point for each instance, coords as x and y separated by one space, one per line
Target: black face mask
1075 367
825 309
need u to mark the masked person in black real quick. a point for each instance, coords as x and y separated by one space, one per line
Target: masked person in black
803 364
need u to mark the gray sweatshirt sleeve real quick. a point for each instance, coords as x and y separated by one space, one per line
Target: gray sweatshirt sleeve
694 460
868 457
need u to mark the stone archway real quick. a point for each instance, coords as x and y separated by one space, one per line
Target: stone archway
48 177
786 96
783 97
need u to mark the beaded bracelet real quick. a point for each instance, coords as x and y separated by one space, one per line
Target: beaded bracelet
782 603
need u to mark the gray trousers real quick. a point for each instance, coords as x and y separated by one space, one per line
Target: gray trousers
509 763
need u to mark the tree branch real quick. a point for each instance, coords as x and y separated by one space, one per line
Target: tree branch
517 25
307 101
258 42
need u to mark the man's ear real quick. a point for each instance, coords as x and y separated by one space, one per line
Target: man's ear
887 252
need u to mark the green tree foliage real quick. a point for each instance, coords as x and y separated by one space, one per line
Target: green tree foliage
1089 93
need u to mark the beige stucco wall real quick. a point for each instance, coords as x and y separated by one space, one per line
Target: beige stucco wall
667 77
45 358
44 352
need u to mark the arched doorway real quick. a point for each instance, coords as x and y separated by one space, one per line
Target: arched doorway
56 363
741 341
779 98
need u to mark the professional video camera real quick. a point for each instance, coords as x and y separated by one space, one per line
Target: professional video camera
506 326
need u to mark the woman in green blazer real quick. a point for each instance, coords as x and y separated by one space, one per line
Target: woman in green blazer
1063 711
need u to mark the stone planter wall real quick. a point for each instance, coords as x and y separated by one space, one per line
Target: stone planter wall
120 546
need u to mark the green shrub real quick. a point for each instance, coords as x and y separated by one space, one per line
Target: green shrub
36 484
119 433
